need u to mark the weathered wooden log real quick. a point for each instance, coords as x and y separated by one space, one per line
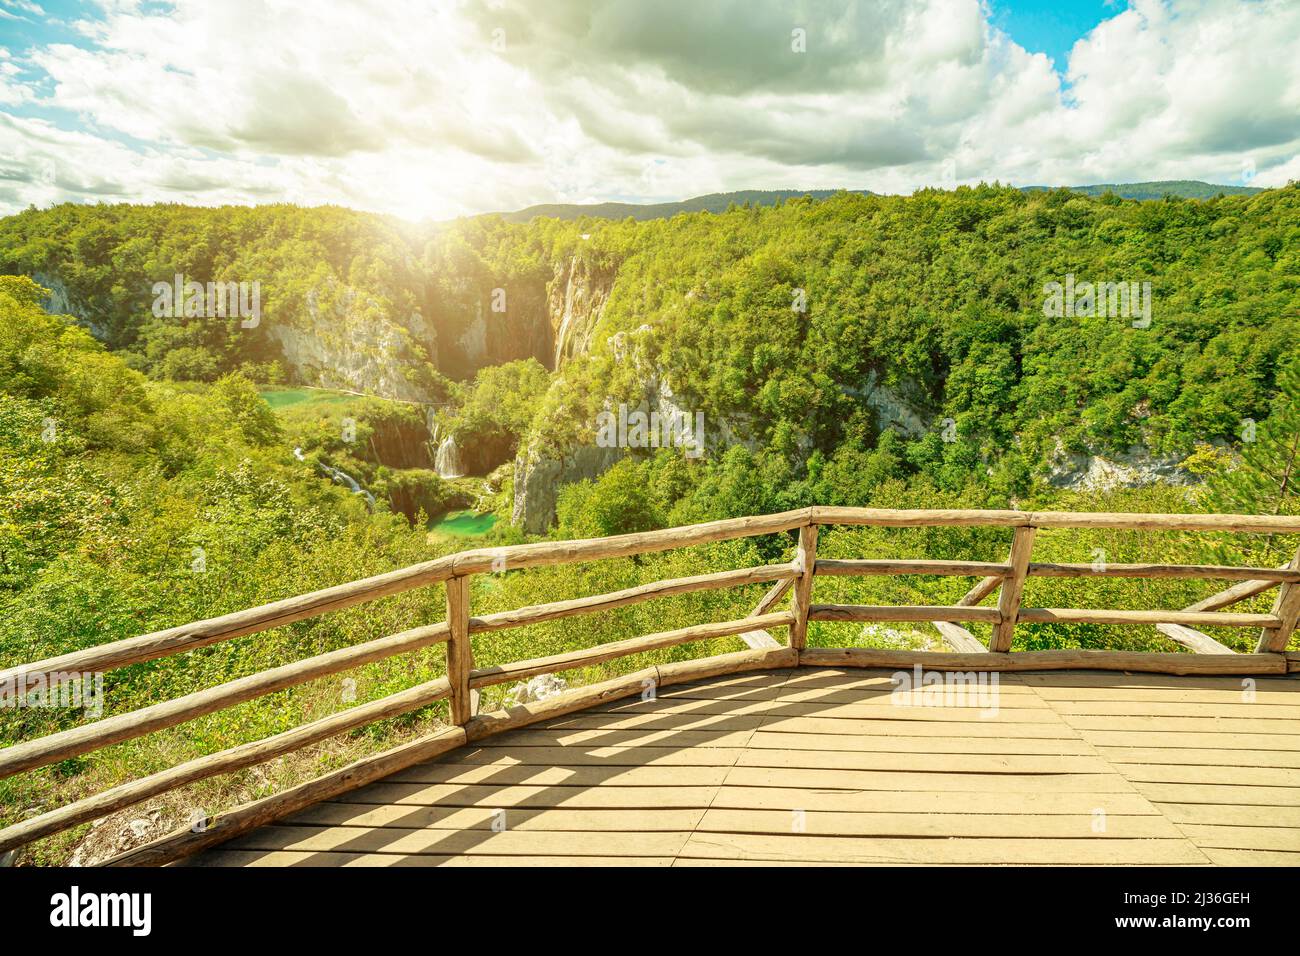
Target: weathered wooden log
522 670
1286 608
1013 586
908 612
1232 595
137 723
1176 663
543 553
250 816
958 638
460 653
981 590
932 517
773 597
805 559
1236 524
1193 639
538 613
944 568
1077 615
1209 571
227 761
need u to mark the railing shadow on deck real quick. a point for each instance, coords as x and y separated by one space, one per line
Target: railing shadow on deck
463 680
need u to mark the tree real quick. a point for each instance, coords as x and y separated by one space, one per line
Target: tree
1267 477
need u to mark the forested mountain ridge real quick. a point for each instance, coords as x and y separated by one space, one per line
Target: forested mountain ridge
856 337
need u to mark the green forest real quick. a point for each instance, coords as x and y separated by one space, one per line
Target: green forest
848 350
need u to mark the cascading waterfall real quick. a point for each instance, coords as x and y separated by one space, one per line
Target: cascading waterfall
448 462
341 477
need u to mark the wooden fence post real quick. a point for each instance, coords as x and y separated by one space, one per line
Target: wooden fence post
805 560
1287 607
1013 585
460 654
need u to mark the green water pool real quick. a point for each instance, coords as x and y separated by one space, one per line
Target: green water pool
464 524
280 398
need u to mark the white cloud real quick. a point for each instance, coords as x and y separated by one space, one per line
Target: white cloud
438 110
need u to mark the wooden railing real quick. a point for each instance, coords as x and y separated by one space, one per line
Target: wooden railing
463 679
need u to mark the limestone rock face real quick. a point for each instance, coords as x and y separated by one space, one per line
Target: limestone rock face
1134 468
539 477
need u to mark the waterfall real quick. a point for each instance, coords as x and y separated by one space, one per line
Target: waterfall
341 477
448 462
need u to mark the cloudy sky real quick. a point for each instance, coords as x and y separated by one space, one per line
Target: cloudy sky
438 108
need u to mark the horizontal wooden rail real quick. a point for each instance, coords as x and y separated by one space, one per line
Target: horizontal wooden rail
522 670
947 568
1268 575
603 602
909 612
227 761
146 720
1075 615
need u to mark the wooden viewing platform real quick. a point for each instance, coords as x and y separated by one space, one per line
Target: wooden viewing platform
784 753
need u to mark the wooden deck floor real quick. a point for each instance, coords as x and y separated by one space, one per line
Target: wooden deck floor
824 766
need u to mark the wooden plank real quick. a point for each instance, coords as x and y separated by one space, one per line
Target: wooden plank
413 841
460 653
1212 814
913 728
667 739
283 858
1221 725
1013 586
1092 850
1245 838
536 796
891 744
1203 793
575 776
1019 764
1025 803
940 825
248 817
1251 857
805 561
1204 756
508 753
1193 773
1184 739
1046 660
902 781
336 813
1163 708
